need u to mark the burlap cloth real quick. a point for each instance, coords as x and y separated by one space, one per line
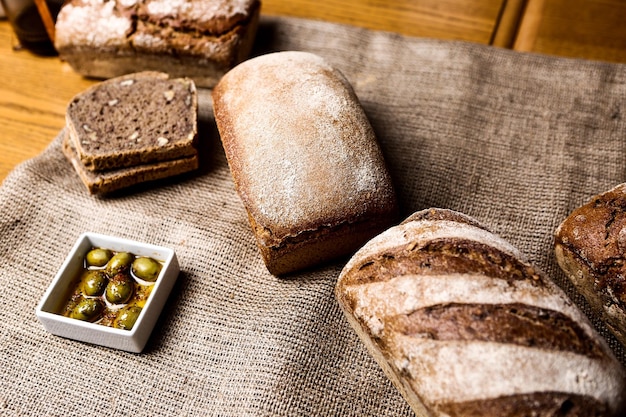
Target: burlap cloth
515 140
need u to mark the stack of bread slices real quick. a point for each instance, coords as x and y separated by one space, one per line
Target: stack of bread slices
132 129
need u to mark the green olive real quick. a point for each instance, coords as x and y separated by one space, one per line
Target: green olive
146 268
98 257
87 309
127 317
119 262
119 289
94 283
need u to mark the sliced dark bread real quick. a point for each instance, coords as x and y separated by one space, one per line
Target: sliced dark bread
103 182
135 119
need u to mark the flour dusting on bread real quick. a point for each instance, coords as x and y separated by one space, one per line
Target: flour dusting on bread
304 158
464 325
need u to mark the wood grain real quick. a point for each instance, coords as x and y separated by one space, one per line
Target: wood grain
34 92
471 20
574 28
507 24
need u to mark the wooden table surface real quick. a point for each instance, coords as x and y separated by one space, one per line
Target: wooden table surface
34 91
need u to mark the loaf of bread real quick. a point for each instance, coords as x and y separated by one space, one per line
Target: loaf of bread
132 129
590 247
199 39
463 325
304 159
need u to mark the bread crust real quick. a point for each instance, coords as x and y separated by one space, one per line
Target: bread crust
589 247
464 325
304 159
199 39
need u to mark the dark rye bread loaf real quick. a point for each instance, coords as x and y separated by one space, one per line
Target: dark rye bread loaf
304 159
105 182
464 325
135 119
198 39
590 247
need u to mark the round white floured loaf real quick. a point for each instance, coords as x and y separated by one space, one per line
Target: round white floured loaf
464 325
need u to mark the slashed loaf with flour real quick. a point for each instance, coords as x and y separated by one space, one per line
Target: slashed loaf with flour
590 247
304 159
464 325
199 39
131 129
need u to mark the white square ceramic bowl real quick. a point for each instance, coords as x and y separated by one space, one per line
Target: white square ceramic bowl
134 340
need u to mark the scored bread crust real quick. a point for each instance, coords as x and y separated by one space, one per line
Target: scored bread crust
464 325
134 119
304 159
589 246
199 39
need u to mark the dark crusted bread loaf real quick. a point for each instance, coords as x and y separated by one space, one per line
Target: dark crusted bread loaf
590 247
465 326
199 39
105 182
134 119
304 159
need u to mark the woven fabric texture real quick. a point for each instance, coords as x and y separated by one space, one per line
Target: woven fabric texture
515 140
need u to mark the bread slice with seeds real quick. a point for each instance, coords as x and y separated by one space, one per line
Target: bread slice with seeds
105 182
132 129
135 119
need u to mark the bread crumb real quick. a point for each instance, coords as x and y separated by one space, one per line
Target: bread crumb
134 136
162 141
113 102
126 83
